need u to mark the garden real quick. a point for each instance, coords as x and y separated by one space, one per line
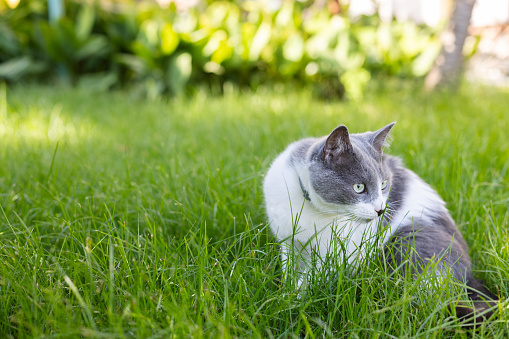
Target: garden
134 141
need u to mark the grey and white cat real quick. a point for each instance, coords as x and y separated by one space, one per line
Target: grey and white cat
344 183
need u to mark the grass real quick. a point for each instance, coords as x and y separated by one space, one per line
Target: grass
129 218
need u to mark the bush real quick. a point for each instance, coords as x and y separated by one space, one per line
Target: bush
101 45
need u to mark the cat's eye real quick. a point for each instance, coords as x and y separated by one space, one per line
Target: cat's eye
358 188
384 184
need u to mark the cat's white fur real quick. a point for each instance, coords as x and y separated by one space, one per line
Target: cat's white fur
309 224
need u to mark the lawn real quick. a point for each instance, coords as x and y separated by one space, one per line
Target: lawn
123 217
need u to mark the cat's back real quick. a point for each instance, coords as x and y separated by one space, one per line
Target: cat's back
413 201
283 167
281 183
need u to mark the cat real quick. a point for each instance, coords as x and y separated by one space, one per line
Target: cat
346 180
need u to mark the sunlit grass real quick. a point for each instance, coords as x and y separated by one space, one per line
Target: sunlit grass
129 218
44 127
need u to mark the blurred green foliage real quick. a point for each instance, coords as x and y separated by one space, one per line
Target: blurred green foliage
104 44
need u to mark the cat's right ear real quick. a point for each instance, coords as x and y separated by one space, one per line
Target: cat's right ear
338 142
381 137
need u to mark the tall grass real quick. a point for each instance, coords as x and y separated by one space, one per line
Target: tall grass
129 218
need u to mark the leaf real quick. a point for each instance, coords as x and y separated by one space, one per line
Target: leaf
62 41
15 69
355 81
186 23
169 39
197 37
134 63
141 50
96 46
12 3
423 63
179 71
149 33
293 48
214 42
50 42
8 41
326 38
247 32
85 22
216 13
98 82
284 17
385 38
222 53
412 42
260 40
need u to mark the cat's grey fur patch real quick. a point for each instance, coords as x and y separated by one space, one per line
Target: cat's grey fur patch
361 163
425 243
301 150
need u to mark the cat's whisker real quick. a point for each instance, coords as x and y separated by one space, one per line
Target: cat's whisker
394 202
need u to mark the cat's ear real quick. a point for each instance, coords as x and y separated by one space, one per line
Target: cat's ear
381 137
338 142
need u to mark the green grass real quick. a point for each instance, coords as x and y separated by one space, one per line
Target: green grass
129 218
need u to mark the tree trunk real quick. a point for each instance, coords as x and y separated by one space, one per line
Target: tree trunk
448 67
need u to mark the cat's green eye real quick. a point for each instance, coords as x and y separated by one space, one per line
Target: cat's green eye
384 184
358 188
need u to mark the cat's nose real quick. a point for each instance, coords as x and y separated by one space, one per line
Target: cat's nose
379 212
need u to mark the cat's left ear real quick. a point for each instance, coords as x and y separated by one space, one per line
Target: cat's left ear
380 137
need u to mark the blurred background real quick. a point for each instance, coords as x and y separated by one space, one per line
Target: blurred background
173 47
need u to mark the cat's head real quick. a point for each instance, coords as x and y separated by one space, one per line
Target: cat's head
348 174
